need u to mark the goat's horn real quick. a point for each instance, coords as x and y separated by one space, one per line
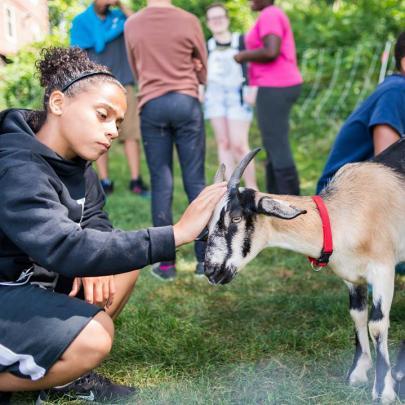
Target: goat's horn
238 172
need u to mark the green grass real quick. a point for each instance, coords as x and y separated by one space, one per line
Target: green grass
279 334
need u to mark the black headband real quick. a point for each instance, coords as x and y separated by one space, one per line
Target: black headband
84 76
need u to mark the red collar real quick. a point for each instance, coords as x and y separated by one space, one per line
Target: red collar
327 248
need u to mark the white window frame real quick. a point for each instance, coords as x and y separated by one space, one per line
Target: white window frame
10 20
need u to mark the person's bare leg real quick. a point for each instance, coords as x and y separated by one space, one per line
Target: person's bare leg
102 166
238 136
124 284
85 353
221 132
133 154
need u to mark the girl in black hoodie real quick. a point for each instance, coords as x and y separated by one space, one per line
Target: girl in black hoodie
54 234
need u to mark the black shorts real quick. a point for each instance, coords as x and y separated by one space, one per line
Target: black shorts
36 327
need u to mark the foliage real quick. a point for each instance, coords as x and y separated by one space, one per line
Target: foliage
318 26
61 11
19 85
330 25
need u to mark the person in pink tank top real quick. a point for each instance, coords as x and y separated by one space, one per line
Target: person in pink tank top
273 69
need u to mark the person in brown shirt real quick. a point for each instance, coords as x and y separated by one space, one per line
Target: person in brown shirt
167 53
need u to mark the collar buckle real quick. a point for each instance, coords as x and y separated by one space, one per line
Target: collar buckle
327 249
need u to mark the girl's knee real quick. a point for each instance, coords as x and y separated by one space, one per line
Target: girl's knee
102 333
240 150
224 144
95 341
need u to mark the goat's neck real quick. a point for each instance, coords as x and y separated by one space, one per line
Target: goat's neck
303 234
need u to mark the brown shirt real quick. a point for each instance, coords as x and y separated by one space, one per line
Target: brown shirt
161 44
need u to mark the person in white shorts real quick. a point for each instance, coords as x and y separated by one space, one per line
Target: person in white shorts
228 100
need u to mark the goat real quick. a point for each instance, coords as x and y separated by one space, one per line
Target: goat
366 205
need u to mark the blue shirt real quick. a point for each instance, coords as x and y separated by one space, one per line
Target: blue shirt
354 142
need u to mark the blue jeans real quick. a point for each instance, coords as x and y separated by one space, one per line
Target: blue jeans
173 119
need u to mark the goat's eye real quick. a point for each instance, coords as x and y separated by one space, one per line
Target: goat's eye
236 220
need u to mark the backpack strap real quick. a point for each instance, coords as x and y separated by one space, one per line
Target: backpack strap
235 41
241 47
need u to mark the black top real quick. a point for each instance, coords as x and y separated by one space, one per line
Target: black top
51 213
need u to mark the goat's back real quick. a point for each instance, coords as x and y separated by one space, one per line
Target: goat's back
367 204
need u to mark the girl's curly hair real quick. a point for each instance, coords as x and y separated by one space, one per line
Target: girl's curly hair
59 66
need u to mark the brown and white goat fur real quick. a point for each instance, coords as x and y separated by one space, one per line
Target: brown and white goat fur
366 205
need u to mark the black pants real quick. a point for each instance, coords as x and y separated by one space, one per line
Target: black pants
170 120
273 110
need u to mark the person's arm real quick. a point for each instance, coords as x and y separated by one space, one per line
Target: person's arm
124 8
200 53
270 28
94 216
387 121
97 290
269 52
37 222
383 137
130 52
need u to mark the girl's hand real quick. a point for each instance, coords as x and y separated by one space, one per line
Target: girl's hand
239 57
198 213
201 93
97 290
250 95
197 64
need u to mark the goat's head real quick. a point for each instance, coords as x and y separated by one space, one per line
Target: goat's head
235 235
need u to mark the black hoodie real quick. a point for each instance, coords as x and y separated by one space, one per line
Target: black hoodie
51 214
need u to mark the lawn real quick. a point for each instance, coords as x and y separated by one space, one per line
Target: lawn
279 334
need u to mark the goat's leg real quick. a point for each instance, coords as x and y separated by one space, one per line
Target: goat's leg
362 357
399 369
399 372
383 291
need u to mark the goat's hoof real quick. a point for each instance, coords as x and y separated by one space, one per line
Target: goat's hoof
387 397
356 379
359 375
398 374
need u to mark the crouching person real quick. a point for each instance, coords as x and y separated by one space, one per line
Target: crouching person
56 243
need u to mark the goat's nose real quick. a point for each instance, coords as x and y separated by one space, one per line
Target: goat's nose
209 270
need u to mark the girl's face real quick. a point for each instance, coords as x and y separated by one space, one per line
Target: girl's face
89 121
258 5
217 20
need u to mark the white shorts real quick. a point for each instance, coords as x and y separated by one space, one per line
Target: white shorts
221 101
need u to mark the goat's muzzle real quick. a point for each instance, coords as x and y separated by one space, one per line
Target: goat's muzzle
219 274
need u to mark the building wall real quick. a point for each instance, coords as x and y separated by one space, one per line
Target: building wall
22 22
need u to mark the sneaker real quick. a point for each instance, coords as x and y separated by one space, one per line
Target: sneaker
107 185
137 186
93 388
200 269
165 271
5 398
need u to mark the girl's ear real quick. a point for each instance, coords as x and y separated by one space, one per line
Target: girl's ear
56 102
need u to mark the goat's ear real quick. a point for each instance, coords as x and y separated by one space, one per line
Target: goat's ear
278 208
220 174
